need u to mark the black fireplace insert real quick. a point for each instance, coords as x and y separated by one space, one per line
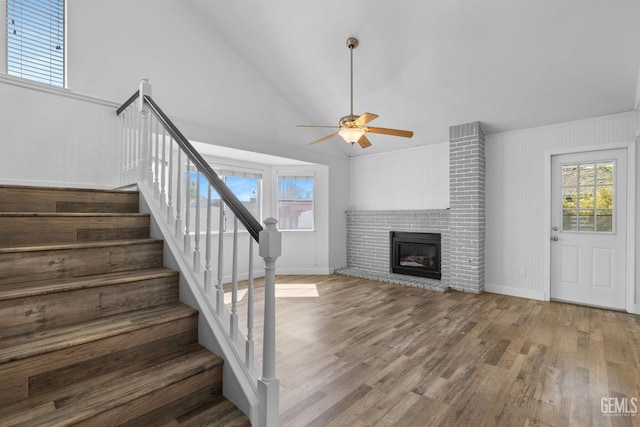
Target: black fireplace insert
416 254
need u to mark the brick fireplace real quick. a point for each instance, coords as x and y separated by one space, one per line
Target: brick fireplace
462 226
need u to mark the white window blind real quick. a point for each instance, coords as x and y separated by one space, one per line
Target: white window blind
35 40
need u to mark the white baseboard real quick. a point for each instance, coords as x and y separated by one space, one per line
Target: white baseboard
514 292
635 309
303 271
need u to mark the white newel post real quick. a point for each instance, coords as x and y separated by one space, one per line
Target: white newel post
268 385
146 170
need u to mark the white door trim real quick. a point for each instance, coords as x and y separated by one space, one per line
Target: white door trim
631 215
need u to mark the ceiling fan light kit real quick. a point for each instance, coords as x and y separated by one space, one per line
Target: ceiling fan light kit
352 127
351 134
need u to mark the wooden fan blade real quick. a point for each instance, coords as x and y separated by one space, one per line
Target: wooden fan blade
364 142
394 132
324 139
365 118
316 126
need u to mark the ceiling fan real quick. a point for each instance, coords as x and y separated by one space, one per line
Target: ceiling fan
352 127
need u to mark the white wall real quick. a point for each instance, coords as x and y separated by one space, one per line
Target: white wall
515 191
415 178
50 137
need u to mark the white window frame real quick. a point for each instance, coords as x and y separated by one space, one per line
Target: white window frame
293 175
3 37
595 186
4 51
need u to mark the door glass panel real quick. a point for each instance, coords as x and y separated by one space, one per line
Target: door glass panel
570 175
588 197
587 173
586 220
604 220
605 173
604 197
569 198
569 220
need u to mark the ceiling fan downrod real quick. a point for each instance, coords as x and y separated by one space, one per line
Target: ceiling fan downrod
352 43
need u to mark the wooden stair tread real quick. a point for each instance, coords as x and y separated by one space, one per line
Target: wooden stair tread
95 400
220 413
43 399
78 245
33 343
66 189
28 289
72 214
54 199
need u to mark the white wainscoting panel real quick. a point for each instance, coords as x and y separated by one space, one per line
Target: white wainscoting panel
415 178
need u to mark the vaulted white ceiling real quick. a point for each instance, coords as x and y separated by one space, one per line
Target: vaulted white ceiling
424 65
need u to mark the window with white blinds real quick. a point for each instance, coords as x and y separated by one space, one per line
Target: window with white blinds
35 40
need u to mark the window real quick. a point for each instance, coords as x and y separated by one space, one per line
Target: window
588 197
295 202
245 186
35 40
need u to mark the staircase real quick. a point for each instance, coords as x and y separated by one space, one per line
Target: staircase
91 328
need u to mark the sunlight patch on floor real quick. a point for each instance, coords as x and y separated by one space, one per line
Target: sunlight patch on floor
296 290
241 294
285 290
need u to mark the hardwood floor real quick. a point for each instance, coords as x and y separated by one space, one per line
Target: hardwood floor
365 353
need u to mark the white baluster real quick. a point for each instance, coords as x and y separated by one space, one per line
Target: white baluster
196 249
156 161
145 138
178 195
268 384
125 148
207 269
233 325
124 143
133 123
149 147
163 170
136 135
140 136
249 356
219 289
132 138
170 184
187 211
130 143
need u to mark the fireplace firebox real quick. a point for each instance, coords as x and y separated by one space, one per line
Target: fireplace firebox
416 254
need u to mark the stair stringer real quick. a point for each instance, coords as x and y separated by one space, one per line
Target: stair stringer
239 383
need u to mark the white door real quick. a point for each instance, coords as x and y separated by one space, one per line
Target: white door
588 228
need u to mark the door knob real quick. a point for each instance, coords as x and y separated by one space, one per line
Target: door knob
554 238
